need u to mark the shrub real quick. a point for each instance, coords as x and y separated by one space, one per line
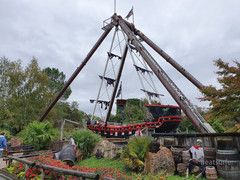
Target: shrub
38 135
134 152
86 140
8 135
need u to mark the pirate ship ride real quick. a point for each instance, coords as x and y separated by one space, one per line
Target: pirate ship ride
166 118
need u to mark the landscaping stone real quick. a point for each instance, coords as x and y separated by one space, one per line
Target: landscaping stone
181 169
14 142
161 161
196 170
79 155
154 147
108 149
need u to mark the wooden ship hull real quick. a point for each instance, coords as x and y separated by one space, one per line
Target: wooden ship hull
165 119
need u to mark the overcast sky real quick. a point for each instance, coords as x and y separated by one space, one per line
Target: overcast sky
60 33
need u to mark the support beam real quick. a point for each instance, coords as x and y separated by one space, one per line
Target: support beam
116 84
74 75
170 60
200 124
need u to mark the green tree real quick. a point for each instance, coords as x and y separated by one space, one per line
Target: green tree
25 94
70 111
5 68
57 81
225 101
134 111
66 110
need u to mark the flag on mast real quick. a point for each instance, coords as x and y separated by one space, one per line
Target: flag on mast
129 14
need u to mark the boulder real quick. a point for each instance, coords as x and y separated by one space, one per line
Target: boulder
79 155
154 147
162 161
195 170
14 142
108 149
181 169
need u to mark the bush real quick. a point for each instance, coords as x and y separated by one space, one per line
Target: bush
38 135
8 135
86 140
134 152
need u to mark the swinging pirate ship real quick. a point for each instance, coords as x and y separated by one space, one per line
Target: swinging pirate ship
166 118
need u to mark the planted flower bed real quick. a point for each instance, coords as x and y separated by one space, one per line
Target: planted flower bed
18 169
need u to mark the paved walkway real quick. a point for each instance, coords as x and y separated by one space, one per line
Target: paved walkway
2 163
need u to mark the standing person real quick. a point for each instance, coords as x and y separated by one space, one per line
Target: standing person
138 132
3 143
72 142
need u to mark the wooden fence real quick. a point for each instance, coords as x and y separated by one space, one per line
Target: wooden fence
44 167
212 140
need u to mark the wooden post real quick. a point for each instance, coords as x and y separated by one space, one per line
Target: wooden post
26 169
43 174
62 128
9 162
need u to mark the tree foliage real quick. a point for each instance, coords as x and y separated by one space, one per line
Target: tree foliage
24 93
225 101
70 111
133 111
57 81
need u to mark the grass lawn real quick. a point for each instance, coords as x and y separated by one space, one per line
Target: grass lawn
93 162
118 164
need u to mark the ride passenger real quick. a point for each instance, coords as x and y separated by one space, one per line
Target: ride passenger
72 142
138 132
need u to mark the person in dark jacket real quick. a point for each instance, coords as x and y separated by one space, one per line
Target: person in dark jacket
3 143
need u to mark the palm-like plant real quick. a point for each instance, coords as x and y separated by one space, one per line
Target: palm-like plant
38 135
134 152
86 140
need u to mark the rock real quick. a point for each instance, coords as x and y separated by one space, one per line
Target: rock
162 161
14 142
79 155
99 154
154 147
181 169
109 150
196 170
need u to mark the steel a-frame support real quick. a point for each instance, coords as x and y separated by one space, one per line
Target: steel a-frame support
178 96
197 120
78 70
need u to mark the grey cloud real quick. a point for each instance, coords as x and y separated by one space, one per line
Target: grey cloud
61 33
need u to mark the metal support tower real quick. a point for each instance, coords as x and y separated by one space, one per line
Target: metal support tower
132 33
